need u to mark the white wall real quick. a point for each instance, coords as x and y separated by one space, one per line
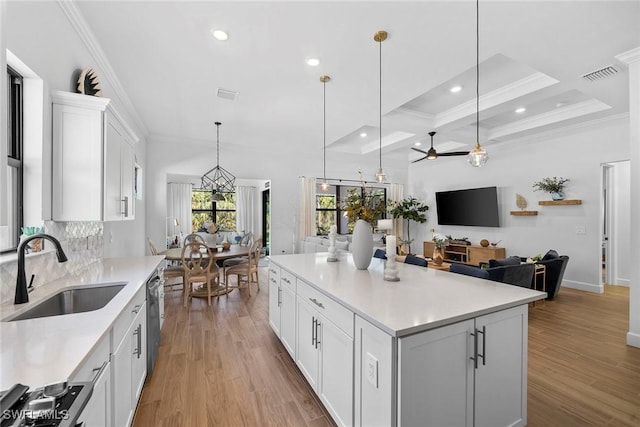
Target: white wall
621 175
41 36
513 168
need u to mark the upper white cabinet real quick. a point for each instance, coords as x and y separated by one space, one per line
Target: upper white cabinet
93 160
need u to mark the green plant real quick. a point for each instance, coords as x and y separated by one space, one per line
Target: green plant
410 209
440 242
550 185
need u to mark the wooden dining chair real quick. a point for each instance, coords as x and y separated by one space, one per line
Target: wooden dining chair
198 270
247 269
168 272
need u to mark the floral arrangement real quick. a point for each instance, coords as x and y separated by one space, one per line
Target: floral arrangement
440 241
550 185
211 227
363 204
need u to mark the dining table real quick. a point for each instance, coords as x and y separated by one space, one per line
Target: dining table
217 253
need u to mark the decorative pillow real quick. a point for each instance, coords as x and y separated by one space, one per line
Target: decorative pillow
551 254
512 260
325 242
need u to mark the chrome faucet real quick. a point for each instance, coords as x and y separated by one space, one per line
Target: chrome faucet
22 294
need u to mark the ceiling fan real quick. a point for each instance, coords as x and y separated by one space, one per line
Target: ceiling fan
432 154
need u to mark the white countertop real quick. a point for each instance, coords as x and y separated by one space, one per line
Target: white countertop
424 298
39 351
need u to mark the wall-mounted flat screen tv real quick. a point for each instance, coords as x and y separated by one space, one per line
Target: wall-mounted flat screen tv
470 207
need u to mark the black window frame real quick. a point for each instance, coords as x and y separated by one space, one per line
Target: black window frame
339 196
214 210
15 150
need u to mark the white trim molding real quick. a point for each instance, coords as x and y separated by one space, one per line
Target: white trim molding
582 286
629 56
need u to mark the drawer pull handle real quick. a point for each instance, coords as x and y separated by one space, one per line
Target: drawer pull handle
98 371
136 309
315 301
286 280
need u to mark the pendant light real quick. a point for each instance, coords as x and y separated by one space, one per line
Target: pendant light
478 156
218 179
324 79
379 37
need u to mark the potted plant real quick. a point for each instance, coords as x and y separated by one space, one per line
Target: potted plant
553 186
410 209
440 242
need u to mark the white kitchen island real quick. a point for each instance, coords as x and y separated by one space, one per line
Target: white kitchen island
434 349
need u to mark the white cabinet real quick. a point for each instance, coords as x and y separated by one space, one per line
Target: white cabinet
129 363
93 160
471 373
96 369
282 307
324 350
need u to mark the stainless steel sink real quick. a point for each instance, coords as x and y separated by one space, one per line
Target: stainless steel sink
76 300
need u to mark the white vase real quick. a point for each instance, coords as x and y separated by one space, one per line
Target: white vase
362 245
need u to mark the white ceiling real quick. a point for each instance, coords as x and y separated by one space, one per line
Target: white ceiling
532 55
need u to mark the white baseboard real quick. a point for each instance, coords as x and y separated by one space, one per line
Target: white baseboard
633 339
622 282
589 287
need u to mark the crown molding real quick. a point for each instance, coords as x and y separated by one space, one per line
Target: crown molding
514 90
561 114
88 38
414 113
629 56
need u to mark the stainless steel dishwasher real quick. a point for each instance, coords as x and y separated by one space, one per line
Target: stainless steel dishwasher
153 321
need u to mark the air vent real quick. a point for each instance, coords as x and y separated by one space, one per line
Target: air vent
600 74
227 94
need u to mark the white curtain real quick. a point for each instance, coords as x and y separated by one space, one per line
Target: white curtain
307 208
396 194
179 207
246 209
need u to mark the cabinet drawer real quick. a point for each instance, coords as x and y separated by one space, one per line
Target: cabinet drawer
288 280
274 272
338 314
122 323
93 362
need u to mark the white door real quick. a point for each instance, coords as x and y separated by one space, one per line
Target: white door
288 319
121 384
336 370
113 206
307 351
274 305
97 412
501 377
127 178
138 355
435 384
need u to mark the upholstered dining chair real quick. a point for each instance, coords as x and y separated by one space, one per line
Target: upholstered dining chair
469 270
247 269
198 270
380 253
168 272
415 260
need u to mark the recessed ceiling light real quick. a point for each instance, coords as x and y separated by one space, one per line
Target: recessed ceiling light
520 110
417 144
560 104
455 89
313 62
220 35
363 134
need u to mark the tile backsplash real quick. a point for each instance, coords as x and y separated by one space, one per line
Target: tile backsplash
82 242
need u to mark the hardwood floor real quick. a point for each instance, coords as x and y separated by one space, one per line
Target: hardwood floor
224 366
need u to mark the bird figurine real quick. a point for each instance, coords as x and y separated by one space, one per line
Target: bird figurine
521 202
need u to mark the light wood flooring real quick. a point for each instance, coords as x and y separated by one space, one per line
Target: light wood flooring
224 366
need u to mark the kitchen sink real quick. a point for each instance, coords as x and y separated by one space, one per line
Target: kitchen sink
76 300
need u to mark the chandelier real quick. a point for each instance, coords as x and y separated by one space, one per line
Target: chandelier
218 180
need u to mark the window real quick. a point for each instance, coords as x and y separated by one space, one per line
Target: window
328 210
203 209
14 161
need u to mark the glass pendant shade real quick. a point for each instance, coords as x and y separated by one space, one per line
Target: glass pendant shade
478 156
381 177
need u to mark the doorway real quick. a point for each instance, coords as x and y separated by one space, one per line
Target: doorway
266 219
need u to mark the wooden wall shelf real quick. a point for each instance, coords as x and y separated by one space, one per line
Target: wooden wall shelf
559 202
524 213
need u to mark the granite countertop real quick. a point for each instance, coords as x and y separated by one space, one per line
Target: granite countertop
423 299
39 351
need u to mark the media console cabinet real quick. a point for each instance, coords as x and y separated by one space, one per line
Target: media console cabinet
466 254
434 349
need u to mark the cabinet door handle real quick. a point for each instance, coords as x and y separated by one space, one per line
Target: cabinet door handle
136 309
313 330
315 301
126 206
317 335
484 344
279 298
138 332
286 280
98 371
474 334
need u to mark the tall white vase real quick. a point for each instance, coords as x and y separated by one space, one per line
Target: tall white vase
362 245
